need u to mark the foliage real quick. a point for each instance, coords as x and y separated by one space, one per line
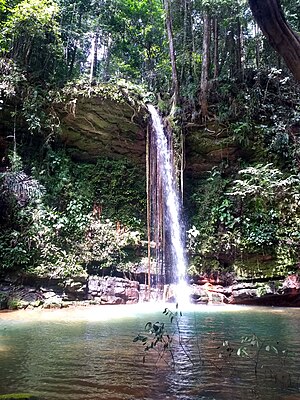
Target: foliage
49 243
258 214
158 339
207 238
270 217
45 44
52 225
107 245
116 187
118 90
32 39
11 79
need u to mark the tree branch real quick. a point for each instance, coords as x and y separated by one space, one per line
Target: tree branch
270 18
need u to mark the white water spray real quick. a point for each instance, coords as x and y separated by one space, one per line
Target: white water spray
173 208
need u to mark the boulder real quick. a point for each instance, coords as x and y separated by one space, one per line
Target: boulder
112 290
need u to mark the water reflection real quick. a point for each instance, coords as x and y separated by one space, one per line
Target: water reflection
89 354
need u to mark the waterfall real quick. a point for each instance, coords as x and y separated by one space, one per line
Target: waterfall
166 211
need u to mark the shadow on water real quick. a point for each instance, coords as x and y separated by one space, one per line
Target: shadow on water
89 353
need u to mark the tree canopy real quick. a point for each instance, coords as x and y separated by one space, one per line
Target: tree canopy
214 67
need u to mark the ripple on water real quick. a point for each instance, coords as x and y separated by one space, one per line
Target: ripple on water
88 353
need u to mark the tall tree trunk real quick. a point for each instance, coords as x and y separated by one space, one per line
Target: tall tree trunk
232 52
205 66
216 46
257 45
239 49
271 20
172 54
187 46
74 52
94 55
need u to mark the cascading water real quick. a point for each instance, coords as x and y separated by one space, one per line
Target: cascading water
171 218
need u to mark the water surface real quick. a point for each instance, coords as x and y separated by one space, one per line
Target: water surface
89 353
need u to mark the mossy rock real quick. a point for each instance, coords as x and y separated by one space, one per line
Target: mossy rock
3 300
256 267
17 396
14 303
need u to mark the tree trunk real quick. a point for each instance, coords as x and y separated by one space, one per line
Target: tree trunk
271 20
187 49
74 51
172 53
257 46
216 47
239 49
94 55
205 65
107 57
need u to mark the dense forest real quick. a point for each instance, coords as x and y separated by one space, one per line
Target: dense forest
225 76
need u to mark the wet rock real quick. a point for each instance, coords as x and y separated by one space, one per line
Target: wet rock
112 290
238 296
48 295
3 300
95 124
292 282
75 289
208 293
53 302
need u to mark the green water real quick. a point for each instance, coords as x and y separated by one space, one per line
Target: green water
90 354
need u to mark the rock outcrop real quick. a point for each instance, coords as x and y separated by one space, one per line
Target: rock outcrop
285 293
59 293
109 290
105 120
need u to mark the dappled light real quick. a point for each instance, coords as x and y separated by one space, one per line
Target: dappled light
149 199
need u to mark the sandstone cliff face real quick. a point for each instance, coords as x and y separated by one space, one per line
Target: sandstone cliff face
208 146
108 122
105 121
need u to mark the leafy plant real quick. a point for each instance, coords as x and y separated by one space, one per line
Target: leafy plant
263 357
158 338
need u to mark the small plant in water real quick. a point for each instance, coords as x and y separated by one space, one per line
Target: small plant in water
262 357
157 337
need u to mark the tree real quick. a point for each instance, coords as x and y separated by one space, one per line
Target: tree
270 18
31 38
205 65
172 53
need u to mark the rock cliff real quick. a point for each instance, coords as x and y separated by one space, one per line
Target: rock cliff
104 120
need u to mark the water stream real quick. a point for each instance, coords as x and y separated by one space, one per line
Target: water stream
172 214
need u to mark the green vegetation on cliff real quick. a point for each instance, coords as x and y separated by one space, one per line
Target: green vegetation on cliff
73 133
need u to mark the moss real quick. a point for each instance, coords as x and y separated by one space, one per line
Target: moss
15 396
255 267
14 304
201 143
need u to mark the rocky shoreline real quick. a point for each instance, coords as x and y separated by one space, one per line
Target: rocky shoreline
60 293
